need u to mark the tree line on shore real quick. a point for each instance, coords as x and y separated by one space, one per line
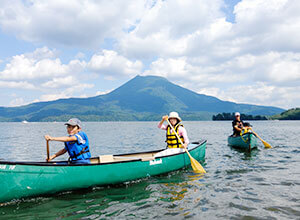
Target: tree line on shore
230 116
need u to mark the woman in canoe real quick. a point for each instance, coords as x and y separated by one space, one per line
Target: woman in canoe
172 140
76 144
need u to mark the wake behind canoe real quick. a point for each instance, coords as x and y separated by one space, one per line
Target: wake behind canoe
23 179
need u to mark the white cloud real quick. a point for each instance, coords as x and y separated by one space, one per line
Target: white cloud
42 71
168 68
39 64
76 23
103 92
189 42
16 85
278 21
260 94
111 64
17 102
60 82
80 55
67 93
167 28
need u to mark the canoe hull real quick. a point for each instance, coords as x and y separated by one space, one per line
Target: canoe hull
29 179
247 141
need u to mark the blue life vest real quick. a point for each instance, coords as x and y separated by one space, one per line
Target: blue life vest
78 150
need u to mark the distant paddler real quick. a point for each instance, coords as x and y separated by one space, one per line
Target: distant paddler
240 128
76 144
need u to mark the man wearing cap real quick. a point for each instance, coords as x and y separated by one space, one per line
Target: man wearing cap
171 138
237 124
76 144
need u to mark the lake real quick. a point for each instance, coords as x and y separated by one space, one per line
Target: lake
263 184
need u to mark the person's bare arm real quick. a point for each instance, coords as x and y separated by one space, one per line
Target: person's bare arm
62 139
164 118
237 128
62 151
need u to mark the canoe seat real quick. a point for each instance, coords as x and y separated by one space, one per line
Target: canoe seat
148 158
106 158
126 158
112 158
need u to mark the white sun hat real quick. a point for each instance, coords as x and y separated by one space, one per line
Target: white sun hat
237 113
174 115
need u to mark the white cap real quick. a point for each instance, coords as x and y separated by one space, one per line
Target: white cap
237 113
174 115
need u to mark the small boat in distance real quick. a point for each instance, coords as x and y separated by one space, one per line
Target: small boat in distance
247 141
25 122
26 179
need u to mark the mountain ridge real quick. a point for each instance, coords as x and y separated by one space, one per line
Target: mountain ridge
141 98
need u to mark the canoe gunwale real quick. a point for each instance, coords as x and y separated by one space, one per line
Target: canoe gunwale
57 163
240 143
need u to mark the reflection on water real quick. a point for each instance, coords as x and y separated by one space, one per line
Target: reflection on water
262 184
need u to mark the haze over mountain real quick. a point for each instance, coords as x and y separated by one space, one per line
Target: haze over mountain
141 98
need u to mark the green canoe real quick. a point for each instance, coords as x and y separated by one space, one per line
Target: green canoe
24 179
247 141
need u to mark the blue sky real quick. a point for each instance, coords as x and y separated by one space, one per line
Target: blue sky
243 51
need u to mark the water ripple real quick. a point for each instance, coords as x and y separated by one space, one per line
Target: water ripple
263 184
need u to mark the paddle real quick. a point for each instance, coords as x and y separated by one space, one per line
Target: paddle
48 152
195 164
267 145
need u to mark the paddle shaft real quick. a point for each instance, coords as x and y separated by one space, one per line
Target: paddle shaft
267 145
48 152
178 137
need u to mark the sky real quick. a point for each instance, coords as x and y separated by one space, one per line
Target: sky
245 51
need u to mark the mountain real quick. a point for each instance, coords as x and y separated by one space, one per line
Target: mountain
141 98
291 114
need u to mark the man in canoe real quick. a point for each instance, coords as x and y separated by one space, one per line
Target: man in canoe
172 140
237 124
76 144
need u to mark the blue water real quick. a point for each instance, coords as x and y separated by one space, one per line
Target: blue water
263 184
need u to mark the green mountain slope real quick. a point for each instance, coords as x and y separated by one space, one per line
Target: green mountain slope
141 98
291 114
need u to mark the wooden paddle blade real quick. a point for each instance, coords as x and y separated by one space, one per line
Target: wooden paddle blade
267 145
197 166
